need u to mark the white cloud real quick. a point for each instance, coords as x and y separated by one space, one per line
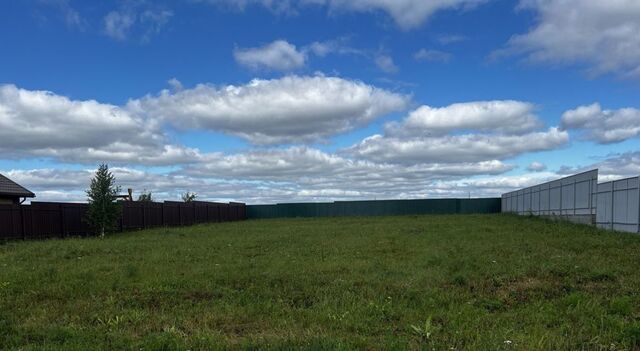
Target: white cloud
278 55
603 126
446 39
536 167
287 110
70 185
334 46
290 109
619 166
464 132
494 186
42 124
456 148
386 64
612 167
408 14
600 34
432 56
263 176
118 24
130 19
313 166
154 21
505 116
175 84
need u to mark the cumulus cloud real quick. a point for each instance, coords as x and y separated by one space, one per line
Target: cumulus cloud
264 176
319 176
313 166
291 109
432 56
536 167
600 34
456 148
285 110
464 132
619 166
43 124
278 55
611 167
505 116
69 185
175 84
603 126
494 186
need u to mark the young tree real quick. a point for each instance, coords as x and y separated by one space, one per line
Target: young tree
145 197
189 197
103 210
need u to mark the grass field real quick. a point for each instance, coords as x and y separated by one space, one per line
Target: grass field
466 282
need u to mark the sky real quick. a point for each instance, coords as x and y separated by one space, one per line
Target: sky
265 101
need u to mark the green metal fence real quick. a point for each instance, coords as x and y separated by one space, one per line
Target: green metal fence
375 208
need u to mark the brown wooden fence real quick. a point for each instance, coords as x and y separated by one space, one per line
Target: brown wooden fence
42 220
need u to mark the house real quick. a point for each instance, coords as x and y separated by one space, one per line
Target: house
12 192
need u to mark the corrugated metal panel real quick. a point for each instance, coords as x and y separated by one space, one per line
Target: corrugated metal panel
618 204
569 196
375 208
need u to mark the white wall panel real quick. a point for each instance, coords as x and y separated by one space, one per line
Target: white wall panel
619 205
569 196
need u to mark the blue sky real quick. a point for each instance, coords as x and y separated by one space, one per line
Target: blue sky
316 100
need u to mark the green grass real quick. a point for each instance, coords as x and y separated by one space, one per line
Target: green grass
466 282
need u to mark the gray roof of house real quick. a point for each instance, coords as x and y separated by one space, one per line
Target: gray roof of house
9 187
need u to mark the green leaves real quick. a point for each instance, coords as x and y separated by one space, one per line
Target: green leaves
103 210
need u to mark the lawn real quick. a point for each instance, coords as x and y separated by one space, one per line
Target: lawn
461 282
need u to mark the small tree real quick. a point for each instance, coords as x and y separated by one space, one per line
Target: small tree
103 210
145 197
189 197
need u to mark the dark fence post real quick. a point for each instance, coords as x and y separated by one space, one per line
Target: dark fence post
61 209
24 230
144 221
162 215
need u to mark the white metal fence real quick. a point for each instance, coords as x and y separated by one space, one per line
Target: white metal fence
618 204
573 197
579 198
